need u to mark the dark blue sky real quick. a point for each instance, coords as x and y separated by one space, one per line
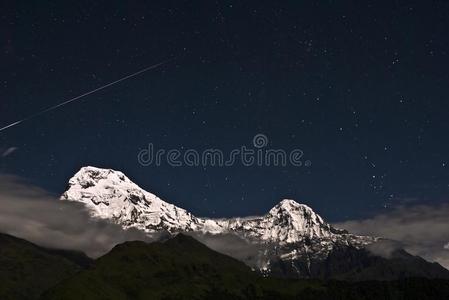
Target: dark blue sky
361 88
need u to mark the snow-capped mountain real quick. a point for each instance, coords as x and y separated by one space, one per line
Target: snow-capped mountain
288 232
287 222
109 194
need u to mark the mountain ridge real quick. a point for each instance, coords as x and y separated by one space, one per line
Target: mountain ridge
289 240
109 194
183 268
178 268
26 269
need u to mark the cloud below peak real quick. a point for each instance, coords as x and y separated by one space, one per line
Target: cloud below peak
422 229
31 213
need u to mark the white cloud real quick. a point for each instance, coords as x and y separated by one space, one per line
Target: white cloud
422 229
29 212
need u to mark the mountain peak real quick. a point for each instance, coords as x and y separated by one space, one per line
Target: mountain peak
101 186
299 212
109 194
91 175
289 204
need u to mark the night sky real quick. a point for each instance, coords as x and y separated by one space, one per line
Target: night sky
360 86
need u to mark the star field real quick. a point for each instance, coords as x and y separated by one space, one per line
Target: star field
361 88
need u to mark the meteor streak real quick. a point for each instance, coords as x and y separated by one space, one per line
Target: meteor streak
83 95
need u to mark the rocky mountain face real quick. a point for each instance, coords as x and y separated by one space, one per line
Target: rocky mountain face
290 240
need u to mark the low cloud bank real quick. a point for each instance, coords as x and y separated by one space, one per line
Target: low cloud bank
385 248
420 229
234 246
31 213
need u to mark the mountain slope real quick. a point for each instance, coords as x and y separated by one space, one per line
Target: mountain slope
349 263
136 270
182 268
26 270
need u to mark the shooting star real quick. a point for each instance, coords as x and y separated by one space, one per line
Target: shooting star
83 95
